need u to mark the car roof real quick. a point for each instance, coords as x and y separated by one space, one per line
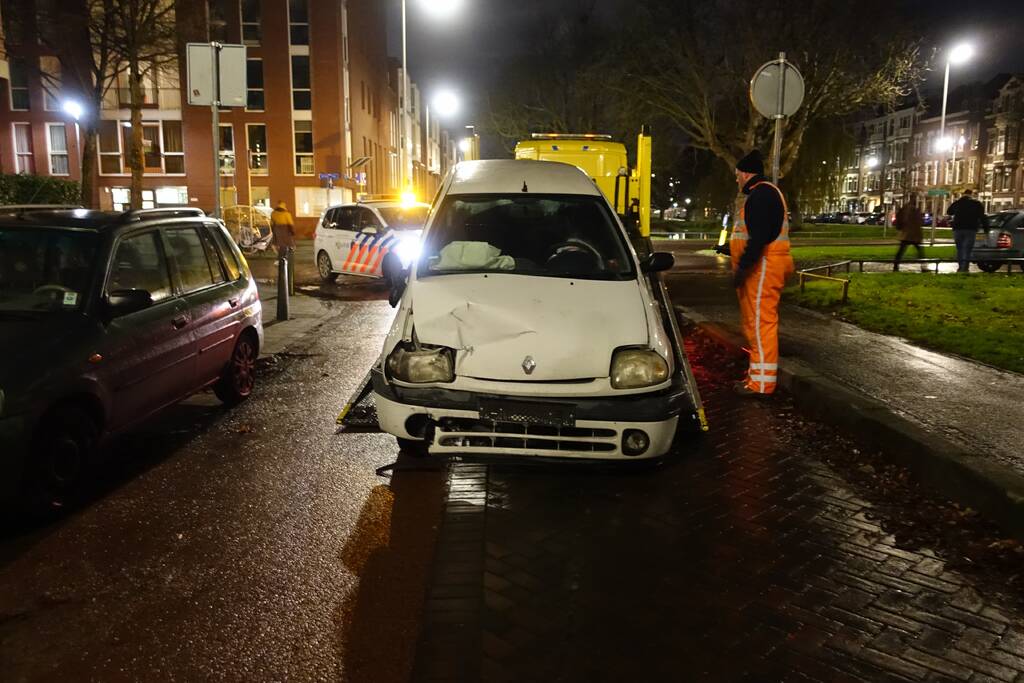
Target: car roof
508 176
88 219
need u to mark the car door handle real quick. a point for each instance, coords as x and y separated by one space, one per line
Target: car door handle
180 322
233 302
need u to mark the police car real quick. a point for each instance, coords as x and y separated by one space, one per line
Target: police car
356 239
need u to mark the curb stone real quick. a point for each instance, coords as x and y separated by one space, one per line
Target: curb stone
969 478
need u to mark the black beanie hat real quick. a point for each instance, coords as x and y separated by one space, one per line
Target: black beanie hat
752 163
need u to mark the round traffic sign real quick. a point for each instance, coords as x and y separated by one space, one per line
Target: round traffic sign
764 89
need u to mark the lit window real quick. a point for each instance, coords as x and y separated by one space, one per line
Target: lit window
49 69
256 137
303 147
174 149
227 149
24 161
57 138
110 147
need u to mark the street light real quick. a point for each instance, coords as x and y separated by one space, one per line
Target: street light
446 104
958 54
442 9
871 162
465 145
75 110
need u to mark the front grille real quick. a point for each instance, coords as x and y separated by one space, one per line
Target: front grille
477 435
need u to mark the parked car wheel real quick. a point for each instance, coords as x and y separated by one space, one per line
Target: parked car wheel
989 266
413 447
61 456
325 267
239 378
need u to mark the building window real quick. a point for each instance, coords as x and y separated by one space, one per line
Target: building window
57 142
227 149
302 96
24 162
298 22
19 85
110 147
303 147
174 149
260 196
256 139
148 79
972 170
254 100
252 32
49 69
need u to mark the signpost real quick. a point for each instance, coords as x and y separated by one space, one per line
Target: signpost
328 180
216 78
777 91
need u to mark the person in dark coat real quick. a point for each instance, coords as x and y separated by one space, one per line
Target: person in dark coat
909 222
968 216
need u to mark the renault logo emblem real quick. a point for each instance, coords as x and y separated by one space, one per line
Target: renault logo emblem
529 364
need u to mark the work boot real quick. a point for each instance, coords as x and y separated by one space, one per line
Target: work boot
741 389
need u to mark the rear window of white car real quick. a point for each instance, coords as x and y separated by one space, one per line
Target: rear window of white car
571 236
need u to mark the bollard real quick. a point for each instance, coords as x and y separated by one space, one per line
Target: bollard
283 277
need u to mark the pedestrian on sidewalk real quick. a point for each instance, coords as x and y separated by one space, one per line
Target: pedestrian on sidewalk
759 250
968 215
283 226
909 222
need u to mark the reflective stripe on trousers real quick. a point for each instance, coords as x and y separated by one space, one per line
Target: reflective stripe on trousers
759 315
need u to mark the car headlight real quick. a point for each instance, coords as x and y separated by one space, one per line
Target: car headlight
408 250
635 368
421 366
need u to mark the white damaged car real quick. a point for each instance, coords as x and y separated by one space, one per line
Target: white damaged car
528 326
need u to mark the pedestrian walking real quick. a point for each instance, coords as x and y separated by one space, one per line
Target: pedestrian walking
283 226
909 222
759 250
968 215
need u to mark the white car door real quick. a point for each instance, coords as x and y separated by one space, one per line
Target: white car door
345 232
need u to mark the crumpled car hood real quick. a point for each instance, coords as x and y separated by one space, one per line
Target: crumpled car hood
568 327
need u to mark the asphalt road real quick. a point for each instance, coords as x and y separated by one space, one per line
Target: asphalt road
257 544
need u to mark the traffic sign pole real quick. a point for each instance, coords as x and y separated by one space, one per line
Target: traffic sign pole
779 115
215 116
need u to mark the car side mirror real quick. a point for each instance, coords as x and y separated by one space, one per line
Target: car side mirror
396 278
124 301
657 262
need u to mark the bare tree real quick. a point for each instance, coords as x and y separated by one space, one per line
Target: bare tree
81 37
144 36
697 59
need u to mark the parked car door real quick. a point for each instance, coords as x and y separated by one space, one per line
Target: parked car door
348 234
149 356
212 299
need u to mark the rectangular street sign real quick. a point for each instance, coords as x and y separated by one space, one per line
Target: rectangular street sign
199 57
938 192
329 176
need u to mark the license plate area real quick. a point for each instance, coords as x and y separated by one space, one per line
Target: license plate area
528 413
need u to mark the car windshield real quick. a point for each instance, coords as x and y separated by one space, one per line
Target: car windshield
44 269
571 236
404 217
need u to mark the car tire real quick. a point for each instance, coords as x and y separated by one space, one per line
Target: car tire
238 379
324 267
417 448
989 266
62 452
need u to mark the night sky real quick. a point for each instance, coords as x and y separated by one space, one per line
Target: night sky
464 53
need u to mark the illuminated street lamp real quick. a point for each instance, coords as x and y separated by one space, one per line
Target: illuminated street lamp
446 104
465 145
871 162
958 54
75 110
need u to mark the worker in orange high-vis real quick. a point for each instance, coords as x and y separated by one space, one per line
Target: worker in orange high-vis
761 261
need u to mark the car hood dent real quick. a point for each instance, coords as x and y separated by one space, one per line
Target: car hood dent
568 327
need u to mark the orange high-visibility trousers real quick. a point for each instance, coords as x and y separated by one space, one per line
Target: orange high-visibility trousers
759 315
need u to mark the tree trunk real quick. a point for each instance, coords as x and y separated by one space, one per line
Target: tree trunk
135 155
88 184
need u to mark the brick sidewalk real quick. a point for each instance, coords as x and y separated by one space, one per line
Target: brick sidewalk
745 558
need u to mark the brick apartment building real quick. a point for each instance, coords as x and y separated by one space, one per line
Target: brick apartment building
322 97
900 153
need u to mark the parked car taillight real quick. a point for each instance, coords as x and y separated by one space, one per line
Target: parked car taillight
1004 241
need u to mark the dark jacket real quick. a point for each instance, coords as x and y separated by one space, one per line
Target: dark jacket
968 214
763 213
909 221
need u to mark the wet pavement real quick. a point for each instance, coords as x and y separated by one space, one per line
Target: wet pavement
744 557
975 405
257 544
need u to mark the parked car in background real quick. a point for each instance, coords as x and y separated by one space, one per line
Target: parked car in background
1002 238
360 239
105 319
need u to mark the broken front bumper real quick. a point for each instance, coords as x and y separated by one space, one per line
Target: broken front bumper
462 422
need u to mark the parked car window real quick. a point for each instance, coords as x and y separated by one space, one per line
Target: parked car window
548 235
44 269
405 218
139 263
346 218
189 257
367 219
330 217
213 256
227 254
